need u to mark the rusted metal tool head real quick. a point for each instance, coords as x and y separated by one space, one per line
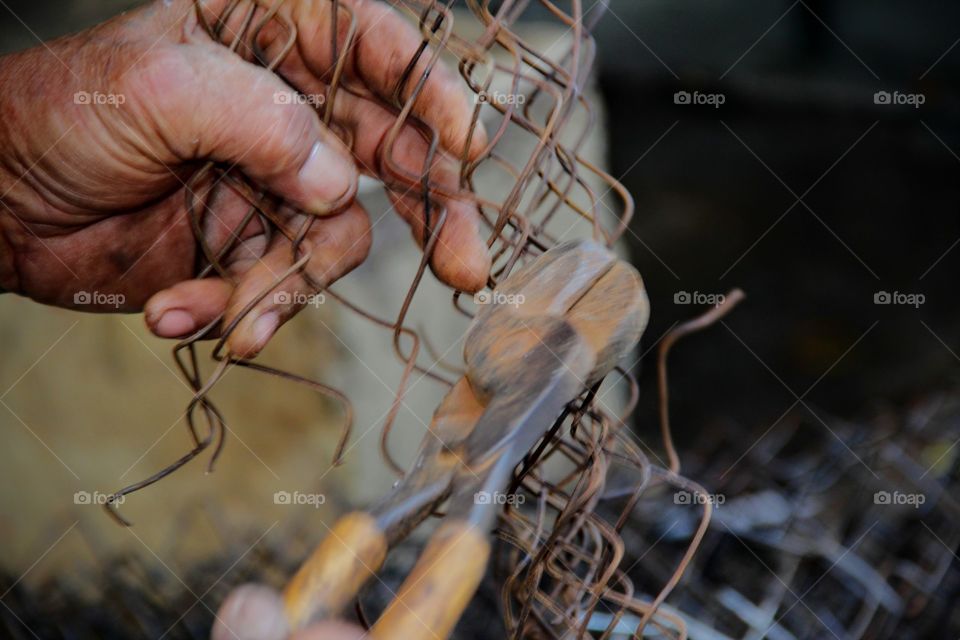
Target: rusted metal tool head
550 330
581 283
557 326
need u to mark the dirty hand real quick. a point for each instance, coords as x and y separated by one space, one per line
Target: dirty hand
100 133
255 612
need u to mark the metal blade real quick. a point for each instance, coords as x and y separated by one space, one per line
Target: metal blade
511 426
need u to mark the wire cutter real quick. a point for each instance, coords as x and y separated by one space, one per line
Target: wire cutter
551 329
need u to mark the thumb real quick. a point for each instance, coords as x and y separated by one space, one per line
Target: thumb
208 103
251 612
255 612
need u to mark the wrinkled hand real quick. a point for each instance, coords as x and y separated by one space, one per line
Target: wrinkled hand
93 194
255 612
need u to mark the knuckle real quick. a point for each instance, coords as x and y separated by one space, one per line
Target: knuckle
343 245
161 75
361 237
289 137
162 87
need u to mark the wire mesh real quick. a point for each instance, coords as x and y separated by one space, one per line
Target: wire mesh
566 557
530 185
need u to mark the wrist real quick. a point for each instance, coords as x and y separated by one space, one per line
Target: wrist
9 277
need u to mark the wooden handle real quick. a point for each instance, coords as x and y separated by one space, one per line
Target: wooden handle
335 572
436 592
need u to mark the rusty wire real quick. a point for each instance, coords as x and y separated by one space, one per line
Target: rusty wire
559 558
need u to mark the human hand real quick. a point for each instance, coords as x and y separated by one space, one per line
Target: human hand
93 194
255 612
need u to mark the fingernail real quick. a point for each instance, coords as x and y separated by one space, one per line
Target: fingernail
264 328
326 177
174 324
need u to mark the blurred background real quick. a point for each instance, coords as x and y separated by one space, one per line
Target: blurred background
806 152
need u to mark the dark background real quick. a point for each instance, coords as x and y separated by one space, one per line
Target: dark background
717 190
